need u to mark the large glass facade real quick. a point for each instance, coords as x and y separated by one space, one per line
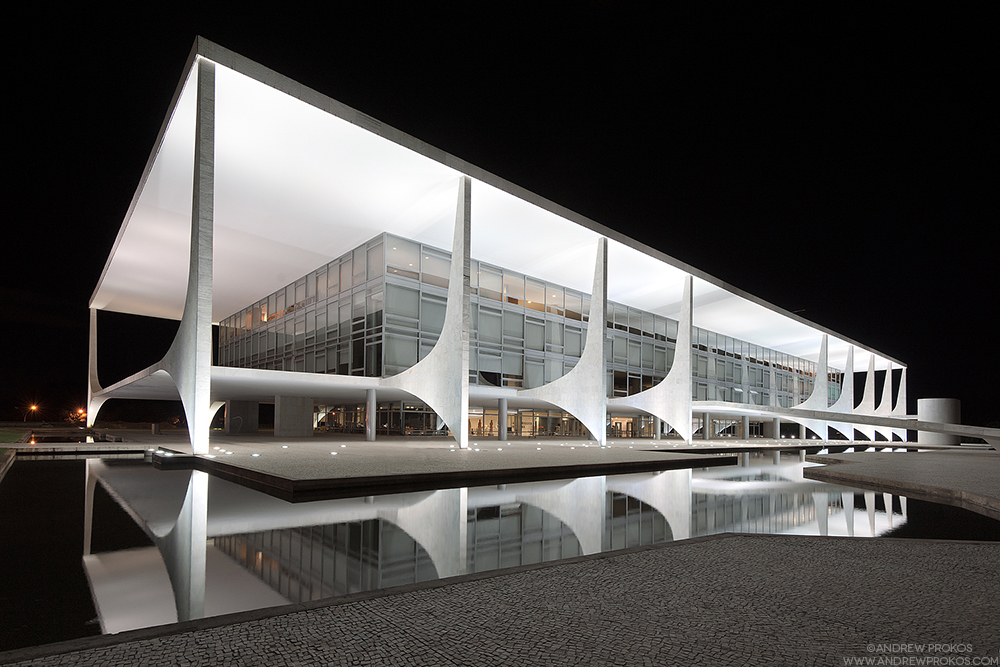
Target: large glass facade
380 308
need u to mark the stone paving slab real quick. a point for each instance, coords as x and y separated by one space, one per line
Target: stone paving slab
967 479
323 467
728 600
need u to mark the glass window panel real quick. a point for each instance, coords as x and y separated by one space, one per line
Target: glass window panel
346 275
402 301
490 326
403 256
633 354
554 333
573 343
534 374
534 294
431 315
376 262
513 363
647 355
359 266
489 361
374 311
300 292
490 282
620 347
534 336
634 321
574 305
333 278
513 324
660 360
434 269
554 299
400 351
358 312
513 287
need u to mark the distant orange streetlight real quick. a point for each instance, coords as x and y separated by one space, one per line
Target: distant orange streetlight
31 409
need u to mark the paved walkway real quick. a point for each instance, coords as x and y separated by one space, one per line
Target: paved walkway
969 479
734 600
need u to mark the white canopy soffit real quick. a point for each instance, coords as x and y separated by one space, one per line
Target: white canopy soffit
300 179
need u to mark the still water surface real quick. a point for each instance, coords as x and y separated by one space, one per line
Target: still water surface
263 551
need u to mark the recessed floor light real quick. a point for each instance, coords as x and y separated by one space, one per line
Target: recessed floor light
334 453
255 455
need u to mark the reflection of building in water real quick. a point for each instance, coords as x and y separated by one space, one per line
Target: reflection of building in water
262 551
777 499
515 534
315 562
629 522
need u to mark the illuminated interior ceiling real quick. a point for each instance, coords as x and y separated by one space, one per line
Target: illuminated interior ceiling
300 179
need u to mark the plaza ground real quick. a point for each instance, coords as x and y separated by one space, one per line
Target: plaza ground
727 599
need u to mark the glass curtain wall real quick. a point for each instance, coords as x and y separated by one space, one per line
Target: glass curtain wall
380 308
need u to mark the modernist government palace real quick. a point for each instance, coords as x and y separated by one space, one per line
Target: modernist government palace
364 281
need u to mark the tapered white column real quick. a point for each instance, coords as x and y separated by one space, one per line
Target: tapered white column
884 408
441 379
189 359
845 403
867 404
670 398
582 391
899 409
819 397
370 413
93 383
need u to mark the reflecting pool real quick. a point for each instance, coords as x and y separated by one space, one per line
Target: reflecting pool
263 551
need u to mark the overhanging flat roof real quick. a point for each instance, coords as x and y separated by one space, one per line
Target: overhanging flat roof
301 178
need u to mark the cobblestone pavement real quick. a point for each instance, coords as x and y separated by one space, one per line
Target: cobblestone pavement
965 479
734 600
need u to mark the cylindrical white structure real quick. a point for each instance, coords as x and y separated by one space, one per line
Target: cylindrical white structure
941 411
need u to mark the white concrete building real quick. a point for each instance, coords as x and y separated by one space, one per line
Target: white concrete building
362 279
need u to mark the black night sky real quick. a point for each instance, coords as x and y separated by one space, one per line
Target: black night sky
834 160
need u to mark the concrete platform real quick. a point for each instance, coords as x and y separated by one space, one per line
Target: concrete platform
967 479
726 600
326 467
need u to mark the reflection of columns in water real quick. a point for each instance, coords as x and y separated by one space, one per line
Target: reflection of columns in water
870 507
579 505
822 502
183 550
848 500
669 493
438 524
90 481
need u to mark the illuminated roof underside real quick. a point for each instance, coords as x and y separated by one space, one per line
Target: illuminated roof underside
300 179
